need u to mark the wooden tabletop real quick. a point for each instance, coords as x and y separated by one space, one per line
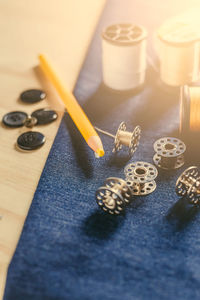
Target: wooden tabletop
61 29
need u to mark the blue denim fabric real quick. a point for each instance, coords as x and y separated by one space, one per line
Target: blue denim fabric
69 249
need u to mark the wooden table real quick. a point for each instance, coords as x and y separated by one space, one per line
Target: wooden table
62 29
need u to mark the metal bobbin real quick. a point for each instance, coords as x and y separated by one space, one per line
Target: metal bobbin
188 184
140 177
169 153
114 195
124 138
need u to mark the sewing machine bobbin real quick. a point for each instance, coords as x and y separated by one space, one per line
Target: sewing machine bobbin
113 196
188 184
169 153
140 177
124 138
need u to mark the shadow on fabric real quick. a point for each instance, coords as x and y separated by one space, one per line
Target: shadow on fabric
79 147
104 100
181 214
102 226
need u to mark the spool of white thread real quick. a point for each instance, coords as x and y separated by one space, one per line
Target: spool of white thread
124 56
178 46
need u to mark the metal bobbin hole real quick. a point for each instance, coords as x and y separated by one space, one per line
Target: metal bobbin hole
188 185
169 153
113 196
140 177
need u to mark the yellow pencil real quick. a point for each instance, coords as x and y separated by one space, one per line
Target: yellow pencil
73 108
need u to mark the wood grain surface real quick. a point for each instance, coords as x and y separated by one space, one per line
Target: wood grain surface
62 29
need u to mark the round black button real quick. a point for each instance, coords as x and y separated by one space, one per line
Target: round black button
32 96
44 116
30 140
15 119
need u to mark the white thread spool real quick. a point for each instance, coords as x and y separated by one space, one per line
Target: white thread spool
178 46
124 56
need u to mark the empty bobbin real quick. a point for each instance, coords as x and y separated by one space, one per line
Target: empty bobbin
140 177
188 184
124 138
169 153
114 195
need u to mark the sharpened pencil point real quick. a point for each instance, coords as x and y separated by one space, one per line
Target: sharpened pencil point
100 152
76 112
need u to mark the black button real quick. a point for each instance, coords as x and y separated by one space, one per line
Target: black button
30 140
15 119
32 96
44 116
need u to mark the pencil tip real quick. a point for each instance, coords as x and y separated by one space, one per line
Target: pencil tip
100 152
